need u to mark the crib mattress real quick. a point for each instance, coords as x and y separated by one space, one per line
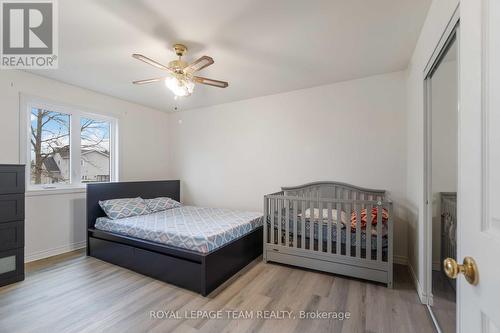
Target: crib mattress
324 233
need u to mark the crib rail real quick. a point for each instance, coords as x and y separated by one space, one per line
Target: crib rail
333 190
448 225
305 223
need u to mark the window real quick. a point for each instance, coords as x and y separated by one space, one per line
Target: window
68 147
50 136
95 156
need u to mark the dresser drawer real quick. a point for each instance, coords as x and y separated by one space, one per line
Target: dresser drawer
11 266
11 179
11 207
11 235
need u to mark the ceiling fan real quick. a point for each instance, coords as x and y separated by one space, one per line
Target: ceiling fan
181 80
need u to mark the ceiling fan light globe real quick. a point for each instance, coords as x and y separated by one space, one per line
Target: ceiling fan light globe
181 87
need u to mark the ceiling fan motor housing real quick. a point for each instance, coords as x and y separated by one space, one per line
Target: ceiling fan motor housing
177 65
180 49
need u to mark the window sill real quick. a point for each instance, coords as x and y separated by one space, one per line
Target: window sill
34 192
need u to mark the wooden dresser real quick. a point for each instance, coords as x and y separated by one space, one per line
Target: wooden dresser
11 223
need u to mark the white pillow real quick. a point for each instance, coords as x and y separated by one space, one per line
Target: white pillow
161 203
316 214
126 207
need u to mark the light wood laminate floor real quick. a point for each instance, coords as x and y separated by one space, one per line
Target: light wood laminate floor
444 299
75 293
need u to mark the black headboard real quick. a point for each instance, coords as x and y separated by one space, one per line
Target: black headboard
146 190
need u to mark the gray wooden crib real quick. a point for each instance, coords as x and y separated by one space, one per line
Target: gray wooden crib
449 229
302 229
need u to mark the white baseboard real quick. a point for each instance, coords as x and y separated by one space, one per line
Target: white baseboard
54 251
397 259
420 291
400 260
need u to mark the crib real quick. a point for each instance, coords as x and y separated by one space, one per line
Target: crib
449 229
326 226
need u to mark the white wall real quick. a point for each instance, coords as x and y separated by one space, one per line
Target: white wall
56 223
438 17
444 143
232 154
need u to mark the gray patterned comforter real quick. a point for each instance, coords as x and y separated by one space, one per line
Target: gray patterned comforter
194 228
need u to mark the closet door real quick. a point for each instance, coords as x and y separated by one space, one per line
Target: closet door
479 166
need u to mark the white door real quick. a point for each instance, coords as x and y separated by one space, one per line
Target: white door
479 164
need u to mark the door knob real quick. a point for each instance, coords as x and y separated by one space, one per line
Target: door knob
468 269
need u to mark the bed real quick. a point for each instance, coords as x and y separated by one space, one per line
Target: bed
192 247
333 227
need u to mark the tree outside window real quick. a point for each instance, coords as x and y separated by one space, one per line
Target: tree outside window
51 148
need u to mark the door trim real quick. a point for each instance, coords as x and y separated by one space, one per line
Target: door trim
450 34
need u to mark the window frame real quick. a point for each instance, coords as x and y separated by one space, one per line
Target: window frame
76 114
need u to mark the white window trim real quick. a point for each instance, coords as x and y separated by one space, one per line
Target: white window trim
28 102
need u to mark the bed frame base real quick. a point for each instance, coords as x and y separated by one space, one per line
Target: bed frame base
201 273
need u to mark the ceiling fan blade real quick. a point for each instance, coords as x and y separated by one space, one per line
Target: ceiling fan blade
148 80
210 82
199 64
151 62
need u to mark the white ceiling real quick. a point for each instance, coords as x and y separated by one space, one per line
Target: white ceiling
261 47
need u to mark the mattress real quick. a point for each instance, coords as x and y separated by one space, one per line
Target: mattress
193 228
